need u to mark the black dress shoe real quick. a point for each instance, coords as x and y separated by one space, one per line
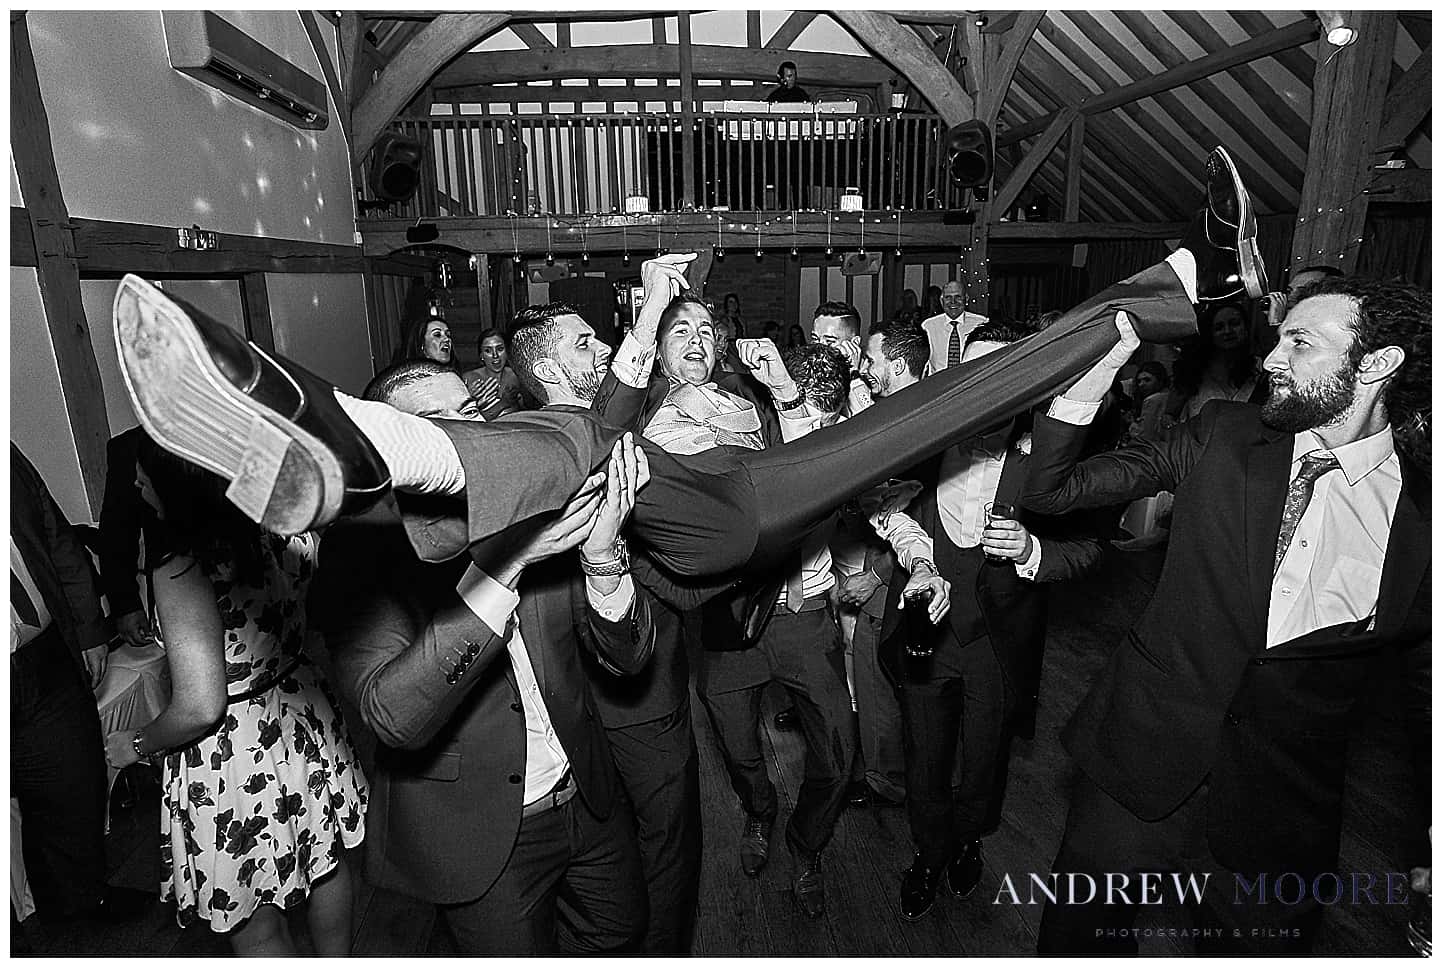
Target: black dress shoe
918 889
809 888
858 794
275 431
1223 237
786 720
964 873
755 845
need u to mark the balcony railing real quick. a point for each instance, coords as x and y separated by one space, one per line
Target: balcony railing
574 164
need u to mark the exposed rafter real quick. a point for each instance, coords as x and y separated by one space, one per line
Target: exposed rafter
1408 104
409 71
999 78
653 60
532 37
902 49
1268 44
1006 196
787 33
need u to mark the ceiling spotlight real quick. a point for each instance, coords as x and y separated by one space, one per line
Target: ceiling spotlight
980 22
1336 30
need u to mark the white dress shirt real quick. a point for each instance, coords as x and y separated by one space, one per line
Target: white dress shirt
632 363
22 632
938 334
1332 570
494 604
970 473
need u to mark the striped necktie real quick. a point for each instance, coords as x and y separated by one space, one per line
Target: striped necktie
1299 494
953 346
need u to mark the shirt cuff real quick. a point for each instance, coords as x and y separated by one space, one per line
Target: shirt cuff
1078 413
633 362
489 600
1028 568
612 607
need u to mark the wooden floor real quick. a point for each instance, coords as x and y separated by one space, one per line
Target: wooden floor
740 916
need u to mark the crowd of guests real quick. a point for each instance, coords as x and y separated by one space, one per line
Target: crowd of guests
535 773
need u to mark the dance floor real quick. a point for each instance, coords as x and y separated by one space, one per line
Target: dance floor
740 916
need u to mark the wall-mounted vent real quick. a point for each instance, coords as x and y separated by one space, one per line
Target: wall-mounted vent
219 54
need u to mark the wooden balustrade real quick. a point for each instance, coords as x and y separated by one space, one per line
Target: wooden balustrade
575 164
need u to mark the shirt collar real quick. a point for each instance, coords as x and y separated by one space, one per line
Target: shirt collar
1358 459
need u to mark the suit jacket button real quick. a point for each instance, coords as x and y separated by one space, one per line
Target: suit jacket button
453 678
515 707
1259 662
514 778
473 649
1233 720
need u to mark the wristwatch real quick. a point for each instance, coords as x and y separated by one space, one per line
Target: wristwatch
782 406
619 564
135 745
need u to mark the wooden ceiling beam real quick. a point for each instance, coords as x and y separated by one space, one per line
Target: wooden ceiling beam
1138 198
654 60
1162 181
531 36
1006 196
1347 102
787 33
999 78
1246 130
1277 109
900 48
413 67
1265 45
1171 155
1297 62
1408 103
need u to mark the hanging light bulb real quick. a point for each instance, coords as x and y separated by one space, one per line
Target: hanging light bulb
516 258
625 258
585 258
759 253
718 251
828 252
898 252
550 258
795 252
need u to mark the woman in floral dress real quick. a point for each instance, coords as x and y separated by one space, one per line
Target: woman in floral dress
263 794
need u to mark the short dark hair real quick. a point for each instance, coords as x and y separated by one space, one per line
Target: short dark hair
821 372
841 310
1158 370
784 65
1393 314
535 338
385 383
488 333
905 341
997 332
668 315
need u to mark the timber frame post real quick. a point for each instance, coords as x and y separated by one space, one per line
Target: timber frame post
1347 101
56 266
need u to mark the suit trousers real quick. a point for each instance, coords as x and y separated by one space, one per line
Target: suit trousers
881 756
953 716
1103 837
731 510
572 885
656 761
57 772
802 652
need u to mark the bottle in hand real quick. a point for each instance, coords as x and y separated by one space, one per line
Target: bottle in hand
921 633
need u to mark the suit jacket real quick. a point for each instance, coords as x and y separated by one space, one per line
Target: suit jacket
437 686
991 599
1193 693
58 563
124 515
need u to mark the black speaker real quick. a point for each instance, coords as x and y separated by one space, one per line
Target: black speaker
395 171
969 156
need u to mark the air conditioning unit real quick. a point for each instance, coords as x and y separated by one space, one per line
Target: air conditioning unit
222 55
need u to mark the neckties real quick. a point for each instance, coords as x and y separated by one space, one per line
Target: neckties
20 599
1299 494
953 346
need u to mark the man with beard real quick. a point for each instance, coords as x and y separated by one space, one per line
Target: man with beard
1214 740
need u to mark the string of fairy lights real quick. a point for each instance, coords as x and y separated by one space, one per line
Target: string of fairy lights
573 234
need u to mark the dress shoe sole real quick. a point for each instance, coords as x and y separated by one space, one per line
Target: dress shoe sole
281 476
913 918
1249 260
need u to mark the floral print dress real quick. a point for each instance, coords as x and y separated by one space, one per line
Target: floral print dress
259 809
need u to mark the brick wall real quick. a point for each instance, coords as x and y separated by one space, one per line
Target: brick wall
760 285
